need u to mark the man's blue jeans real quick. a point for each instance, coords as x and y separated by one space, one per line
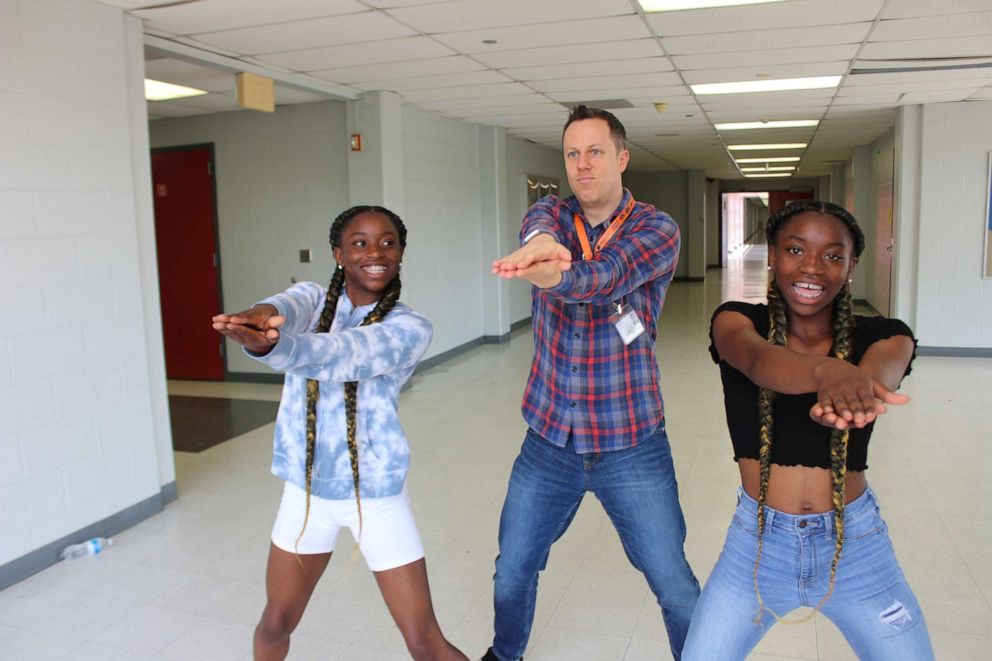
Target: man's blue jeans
638 491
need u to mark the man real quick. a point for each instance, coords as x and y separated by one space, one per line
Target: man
600 264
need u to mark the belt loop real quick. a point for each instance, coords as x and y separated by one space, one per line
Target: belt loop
769 517
828 524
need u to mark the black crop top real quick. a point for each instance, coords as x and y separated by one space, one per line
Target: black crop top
798 440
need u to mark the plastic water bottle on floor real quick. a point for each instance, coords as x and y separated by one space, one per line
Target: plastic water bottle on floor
89 547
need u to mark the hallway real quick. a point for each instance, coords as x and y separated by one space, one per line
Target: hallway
188 583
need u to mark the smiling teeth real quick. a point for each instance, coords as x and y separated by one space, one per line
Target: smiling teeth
808 285
375 269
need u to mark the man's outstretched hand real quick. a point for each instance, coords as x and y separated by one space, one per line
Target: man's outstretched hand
541 262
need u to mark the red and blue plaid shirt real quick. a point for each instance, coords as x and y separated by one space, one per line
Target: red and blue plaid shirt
584 384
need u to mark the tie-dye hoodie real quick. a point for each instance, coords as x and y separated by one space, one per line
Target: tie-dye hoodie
381 357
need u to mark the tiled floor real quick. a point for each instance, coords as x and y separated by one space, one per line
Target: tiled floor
187 584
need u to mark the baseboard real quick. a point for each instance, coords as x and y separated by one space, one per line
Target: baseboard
434 361
496 339
955 352
520 324
47 555
685 278
254 377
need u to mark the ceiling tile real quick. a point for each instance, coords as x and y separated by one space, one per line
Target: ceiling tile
386 71
766 72
587 69
570 54
435 82
314 33
525 98
910 8
473 92
825 35
485 14
195 17
980 46
794 14
652 80
360 54
731 59
603 30
934 27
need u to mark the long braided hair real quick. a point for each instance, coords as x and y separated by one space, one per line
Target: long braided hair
378 313
843 331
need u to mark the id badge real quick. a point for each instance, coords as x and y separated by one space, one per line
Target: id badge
627 323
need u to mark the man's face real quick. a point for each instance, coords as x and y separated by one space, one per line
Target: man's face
592 162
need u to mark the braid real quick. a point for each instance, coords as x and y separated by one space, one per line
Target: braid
842 349
378 313
777 324
313 392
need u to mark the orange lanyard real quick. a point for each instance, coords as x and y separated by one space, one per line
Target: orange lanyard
587 252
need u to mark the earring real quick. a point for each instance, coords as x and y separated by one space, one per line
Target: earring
850 281
339 267
769 267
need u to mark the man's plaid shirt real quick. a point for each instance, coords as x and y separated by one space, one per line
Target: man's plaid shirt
583 381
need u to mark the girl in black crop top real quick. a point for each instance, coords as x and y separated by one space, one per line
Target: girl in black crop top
804 380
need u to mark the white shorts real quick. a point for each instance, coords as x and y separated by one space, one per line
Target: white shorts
389 533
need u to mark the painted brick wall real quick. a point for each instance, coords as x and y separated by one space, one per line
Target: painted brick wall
443 262
954 304
77 442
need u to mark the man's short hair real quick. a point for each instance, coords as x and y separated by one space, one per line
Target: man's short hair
617 131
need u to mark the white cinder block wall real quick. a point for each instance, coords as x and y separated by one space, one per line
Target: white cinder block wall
77 436
442 274
954 304
281 179
526 158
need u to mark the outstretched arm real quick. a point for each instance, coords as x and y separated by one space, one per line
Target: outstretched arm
847 395
256 329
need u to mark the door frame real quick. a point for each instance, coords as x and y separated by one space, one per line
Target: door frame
209 146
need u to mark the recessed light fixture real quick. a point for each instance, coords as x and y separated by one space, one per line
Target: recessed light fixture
156 90
773 168
677 5
780 145
767 175
778 124
777 85
770 159
661 106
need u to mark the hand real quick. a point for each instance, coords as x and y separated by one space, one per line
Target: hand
542 248
542 274
255 329
849 397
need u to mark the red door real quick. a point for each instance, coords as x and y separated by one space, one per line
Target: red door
183 189
779 198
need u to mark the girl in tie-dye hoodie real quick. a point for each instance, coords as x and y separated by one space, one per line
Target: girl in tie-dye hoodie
346 351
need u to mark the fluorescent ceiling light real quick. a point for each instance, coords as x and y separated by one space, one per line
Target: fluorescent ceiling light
676 5
773 168
781 145
776 85
767 175
770 159
156 90
780 124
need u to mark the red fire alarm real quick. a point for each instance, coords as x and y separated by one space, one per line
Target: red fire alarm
356 142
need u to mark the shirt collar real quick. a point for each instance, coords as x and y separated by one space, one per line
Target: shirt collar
575 208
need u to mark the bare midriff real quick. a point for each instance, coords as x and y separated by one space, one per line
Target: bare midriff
799 489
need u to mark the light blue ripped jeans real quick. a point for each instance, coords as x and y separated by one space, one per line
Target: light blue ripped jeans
871 604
